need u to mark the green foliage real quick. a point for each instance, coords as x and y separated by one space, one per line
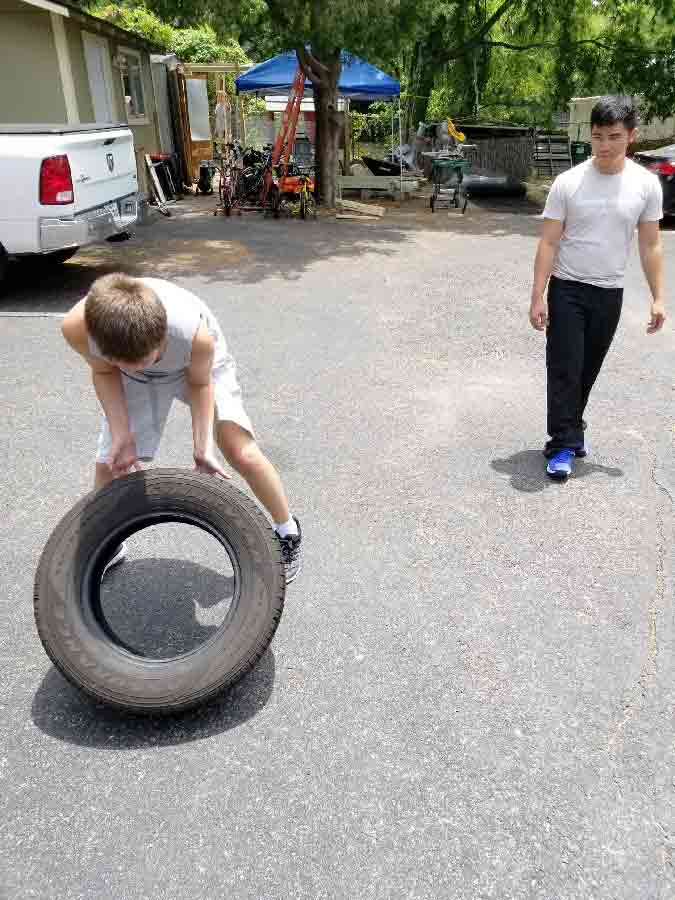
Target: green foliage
537 55
440 49
199 44
374 127
137 19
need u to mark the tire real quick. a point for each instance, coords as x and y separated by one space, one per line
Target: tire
68 614
60 256
303 206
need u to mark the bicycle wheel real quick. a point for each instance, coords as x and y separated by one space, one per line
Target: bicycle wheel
227 201
275 202
303 205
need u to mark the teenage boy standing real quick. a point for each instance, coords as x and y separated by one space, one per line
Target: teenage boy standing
589 223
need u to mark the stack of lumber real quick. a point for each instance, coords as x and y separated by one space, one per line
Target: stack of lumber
350 209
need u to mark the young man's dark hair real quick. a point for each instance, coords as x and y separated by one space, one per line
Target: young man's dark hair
615 109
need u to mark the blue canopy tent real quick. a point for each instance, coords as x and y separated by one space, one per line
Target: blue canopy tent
358 81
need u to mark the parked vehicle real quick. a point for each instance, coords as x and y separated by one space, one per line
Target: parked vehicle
662 162
64 186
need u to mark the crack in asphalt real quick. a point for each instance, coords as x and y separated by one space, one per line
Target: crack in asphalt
633 703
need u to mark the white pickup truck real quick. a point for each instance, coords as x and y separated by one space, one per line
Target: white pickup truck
63 186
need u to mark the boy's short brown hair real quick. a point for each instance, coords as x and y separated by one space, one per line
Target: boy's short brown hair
125 317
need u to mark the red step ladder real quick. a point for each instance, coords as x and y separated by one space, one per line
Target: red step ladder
283 146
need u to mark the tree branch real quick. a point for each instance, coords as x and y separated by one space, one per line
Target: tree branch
559 44
307 61
488 25
279 11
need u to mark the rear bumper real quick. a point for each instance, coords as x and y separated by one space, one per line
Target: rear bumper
89 227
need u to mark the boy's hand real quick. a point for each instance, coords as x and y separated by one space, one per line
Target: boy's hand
658 317
538 313
123 455
207 464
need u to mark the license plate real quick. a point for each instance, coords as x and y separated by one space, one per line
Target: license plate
113 210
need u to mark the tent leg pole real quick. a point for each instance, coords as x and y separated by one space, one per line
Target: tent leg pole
392 128
400 143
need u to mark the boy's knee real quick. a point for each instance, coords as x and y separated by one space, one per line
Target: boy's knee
243 457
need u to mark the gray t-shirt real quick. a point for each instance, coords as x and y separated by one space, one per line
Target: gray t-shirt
600 213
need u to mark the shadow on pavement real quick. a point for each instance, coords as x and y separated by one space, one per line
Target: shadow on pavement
245 250
248 249
165 624
189 608
62 712
527 471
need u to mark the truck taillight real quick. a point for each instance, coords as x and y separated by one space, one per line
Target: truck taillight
662 168
56 182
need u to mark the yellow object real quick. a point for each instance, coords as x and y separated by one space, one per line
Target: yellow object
453 132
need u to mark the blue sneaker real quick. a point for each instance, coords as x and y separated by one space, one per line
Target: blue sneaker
560 466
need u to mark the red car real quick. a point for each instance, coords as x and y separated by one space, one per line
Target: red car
662 162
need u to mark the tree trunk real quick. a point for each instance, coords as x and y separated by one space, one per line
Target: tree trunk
421 80
324 74
327 128
318 143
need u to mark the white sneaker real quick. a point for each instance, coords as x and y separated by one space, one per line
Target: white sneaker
118 557
291 552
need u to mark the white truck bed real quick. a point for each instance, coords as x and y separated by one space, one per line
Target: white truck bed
94 193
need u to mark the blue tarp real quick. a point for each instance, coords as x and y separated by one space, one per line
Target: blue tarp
358 79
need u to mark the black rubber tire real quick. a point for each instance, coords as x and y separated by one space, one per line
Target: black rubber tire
303 206
67 605
59 256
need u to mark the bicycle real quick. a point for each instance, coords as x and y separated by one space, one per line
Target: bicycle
228 193
307 199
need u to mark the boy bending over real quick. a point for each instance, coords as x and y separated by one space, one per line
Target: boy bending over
149 342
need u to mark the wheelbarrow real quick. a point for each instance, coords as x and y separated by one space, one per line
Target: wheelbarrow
448 175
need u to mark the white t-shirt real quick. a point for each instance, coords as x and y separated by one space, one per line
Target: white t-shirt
600 213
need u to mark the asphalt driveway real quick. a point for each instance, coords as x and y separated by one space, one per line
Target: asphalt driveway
470 694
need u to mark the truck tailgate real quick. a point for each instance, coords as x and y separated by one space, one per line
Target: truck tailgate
103 167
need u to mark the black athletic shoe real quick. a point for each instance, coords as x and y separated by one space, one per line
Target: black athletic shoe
292 553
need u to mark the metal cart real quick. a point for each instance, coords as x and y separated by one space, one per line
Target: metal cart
448 174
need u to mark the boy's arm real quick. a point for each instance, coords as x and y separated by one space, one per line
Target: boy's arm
107 381
543 266
202 402
651 257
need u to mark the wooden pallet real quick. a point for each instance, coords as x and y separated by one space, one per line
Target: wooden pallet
552 154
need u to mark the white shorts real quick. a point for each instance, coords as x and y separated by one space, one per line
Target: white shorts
149 404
